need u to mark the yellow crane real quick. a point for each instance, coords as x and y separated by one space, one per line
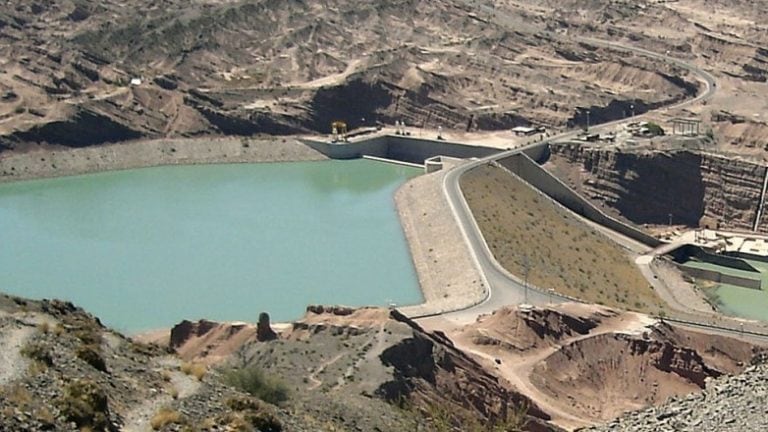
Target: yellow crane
339 131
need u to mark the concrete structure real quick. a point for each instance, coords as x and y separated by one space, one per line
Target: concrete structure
524 166
721 277
750 246
525 130
404 148
683 253
688 127
438 163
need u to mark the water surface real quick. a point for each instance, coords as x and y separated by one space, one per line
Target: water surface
736 300
146 248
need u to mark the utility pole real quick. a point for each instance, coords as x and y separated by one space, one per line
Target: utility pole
526 269
587 121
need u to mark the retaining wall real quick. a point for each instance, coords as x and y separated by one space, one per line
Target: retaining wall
685 252
403 148
748 256
525 167
716 276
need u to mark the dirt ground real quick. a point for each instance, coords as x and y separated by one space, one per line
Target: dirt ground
586 363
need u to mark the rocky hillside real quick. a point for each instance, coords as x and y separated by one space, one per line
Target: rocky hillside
586 364
725 37
348 369
645 186
368 369
81 72
728 404
61 370
338 369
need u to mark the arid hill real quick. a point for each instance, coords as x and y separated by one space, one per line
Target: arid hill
268 66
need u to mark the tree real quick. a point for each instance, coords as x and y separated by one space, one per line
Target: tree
654 129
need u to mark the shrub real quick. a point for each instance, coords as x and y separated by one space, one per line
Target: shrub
88 336
91 355
249 413
39 352
166 416
253 381
86 404
197 370
264 421
654 129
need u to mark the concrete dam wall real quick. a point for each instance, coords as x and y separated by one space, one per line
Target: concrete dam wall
402 148
523 166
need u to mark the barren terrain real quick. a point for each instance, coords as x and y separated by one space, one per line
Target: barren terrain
567 366
78 73
584 364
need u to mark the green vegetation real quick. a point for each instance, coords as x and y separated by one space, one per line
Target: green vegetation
253 381
654 129
85 404
526 230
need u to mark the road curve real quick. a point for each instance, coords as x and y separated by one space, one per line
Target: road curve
504 288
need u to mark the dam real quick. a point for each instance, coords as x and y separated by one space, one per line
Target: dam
146 248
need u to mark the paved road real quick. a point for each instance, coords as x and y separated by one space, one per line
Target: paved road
504 288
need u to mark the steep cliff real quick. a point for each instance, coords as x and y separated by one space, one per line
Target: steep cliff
646 187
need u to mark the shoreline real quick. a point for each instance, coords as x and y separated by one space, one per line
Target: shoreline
46 162
447 277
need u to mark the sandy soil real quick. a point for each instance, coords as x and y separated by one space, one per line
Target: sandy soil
568 256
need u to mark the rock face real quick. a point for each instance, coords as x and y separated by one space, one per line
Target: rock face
375 369
584 364
646 187
735 403
428 367
184 330
263 330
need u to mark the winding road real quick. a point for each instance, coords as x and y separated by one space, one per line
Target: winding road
503 287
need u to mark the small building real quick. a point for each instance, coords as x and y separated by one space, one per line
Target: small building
525 130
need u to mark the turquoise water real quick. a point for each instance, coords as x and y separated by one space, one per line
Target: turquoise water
146 248
739 301
743 302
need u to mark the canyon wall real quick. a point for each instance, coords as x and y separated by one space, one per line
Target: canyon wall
646 187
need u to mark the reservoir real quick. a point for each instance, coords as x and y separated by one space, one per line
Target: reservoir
146 248
736 300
